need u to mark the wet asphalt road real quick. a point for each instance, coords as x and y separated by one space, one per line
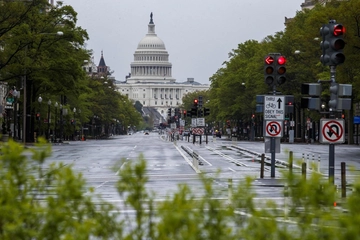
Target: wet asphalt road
168 165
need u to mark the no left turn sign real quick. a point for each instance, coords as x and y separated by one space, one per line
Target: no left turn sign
273 129
332 131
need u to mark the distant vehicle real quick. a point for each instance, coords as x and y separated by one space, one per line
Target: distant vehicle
146 132
129 133
186 133
218 134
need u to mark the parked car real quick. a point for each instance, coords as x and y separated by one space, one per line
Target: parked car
146 132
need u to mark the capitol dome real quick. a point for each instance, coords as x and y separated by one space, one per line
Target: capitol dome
151 60
151 41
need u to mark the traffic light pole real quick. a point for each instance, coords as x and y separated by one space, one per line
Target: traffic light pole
332 116
272 147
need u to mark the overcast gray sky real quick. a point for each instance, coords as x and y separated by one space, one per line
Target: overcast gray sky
198 35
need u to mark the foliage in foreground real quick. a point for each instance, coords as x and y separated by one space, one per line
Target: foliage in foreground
41 200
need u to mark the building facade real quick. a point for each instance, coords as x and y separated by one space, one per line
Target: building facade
97 71
308 4
150 80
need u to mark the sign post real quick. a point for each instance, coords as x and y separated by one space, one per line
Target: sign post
274 115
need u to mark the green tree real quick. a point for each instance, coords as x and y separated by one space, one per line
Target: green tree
34 54
50 201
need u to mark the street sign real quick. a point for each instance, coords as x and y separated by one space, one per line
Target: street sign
10 100
182 123
356 119
274 107
200 122
332 131
273 129
267 145
193 122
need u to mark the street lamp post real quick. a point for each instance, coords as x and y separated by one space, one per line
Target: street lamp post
81 127
55 124
16 95
48 121
39 114
74 110
61 123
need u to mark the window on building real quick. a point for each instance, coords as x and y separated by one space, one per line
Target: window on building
144 95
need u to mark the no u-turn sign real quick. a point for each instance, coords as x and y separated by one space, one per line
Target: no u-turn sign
273 129
332 131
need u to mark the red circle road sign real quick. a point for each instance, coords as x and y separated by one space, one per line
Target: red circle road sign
333 131
273 129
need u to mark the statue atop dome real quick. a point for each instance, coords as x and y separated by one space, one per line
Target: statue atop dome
151 18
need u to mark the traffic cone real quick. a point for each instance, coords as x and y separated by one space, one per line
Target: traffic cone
82 138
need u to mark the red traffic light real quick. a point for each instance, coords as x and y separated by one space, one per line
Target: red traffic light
281 60
269 60
339 30
196 101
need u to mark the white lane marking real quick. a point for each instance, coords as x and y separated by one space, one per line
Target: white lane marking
205 160
102 184
187 160
121 167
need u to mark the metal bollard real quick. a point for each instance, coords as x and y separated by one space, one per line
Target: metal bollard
343 179
290 161
262 163
303 170
307 160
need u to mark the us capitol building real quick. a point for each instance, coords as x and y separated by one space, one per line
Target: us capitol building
150 81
